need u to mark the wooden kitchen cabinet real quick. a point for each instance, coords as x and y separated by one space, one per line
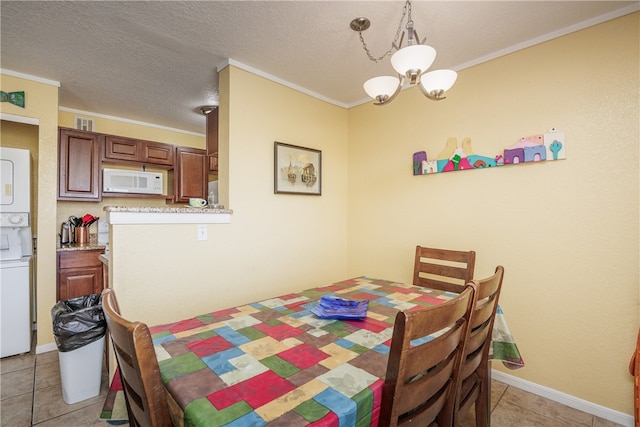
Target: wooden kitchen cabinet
117 148
79 273
157 153
213 163
79 176
212 140
120 149
82 155
190 174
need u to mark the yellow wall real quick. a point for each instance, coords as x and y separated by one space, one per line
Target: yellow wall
274 244
565 231
41 103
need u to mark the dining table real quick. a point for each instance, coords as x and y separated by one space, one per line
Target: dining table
275 362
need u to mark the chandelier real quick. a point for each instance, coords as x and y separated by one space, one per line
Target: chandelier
410 62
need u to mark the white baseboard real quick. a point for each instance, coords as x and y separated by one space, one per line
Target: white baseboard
565 399
46 348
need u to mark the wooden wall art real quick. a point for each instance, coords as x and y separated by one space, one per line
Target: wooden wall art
454 157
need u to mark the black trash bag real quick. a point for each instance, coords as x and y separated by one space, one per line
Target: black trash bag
78 322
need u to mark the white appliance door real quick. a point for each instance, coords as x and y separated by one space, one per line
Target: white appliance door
15 179
6 178
10 244
15 316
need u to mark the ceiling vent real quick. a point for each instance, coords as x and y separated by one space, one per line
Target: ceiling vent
83 123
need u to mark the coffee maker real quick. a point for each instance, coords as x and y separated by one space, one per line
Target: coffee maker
67 233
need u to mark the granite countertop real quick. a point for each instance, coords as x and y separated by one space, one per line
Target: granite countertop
91 246
118 215
185 209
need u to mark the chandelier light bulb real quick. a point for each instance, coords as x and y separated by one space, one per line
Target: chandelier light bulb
382 87
438 80
413 60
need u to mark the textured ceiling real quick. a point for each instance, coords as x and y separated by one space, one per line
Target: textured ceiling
155 61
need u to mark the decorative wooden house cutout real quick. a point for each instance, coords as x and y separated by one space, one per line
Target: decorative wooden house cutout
534 148
554 141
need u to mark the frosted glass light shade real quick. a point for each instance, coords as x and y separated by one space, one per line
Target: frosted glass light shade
381 86
438 80
416 57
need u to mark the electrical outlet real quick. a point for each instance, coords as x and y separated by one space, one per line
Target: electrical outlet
202 232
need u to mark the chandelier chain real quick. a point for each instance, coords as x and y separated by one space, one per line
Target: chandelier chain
394 44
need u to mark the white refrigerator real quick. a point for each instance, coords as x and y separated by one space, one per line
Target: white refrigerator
16 250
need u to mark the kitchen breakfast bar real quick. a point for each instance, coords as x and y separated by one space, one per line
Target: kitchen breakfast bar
275 362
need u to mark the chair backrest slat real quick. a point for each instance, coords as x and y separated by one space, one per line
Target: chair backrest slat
448 270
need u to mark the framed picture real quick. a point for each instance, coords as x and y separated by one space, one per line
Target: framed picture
297 170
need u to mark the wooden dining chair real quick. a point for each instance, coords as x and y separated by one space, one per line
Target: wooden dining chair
444 269
634 370
138 366
474 376
423 373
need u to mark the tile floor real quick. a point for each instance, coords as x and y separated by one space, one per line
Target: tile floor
32 396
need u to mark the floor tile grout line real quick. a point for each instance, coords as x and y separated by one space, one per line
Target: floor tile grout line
500 397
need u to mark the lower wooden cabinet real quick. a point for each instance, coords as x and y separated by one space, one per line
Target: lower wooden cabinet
79 273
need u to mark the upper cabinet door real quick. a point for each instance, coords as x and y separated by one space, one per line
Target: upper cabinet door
190 174
119 148
79 175
158 153
212 140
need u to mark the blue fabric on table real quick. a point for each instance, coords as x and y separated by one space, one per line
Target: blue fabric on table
338 308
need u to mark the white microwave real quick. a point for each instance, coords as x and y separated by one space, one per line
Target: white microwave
130 181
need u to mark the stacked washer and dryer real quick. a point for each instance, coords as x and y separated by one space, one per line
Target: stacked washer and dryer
16 252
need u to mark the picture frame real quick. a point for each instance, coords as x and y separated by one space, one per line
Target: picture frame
297 170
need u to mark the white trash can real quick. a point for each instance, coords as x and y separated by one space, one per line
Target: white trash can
81 371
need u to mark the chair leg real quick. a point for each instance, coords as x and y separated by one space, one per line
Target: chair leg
488 387
483 402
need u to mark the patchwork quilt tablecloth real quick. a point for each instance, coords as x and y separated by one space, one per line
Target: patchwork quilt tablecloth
274 362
